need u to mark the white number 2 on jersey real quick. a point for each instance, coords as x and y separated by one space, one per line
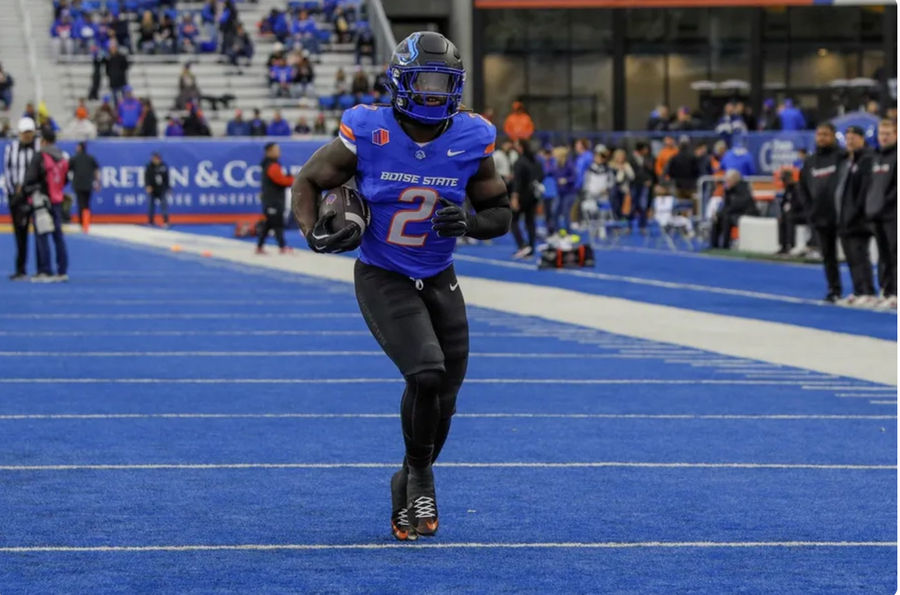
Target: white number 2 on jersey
422 213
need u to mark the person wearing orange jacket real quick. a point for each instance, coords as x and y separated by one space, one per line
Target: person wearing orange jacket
274 182
669 150
518 124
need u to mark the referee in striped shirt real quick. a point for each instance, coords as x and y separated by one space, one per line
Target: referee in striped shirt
16 157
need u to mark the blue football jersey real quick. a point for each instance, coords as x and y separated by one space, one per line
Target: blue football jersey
402 180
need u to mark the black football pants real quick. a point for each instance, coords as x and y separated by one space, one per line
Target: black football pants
274 222
856 251
421 324
886 238
828 238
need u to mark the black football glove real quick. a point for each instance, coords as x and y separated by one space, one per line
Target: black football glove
452 221
323 241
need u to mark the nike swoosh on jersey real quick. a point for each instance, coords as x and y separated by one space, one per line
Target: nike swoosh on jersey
451 153
454 286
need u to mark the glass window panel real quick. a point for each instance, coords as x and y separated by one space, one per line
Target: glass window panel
646 25
730 24
873 64
824 22
504 82
775 66
684 69
730 61
644 88
547 74
548 29
775 23
504 30
548 113
591 29
812 68
687 24
592 77
871 21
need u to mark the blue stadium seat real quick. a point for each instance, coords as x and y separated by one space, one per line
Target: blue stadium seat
346 101
326 102
368 99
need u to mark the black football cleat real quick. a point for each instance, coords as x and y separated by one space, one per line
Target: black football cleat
400 526
421 503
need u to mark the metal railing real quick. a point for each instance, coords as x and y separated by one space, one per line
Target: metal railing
385 42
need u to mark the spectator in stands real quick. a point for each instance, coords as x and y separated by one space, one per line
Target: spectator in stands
791 117
719 149
360 83
704 160
237 126
208 19
319 125
599 181
30 112
85 174
624 176
157 185
303 77
562 168
850 197
881 209
365 43
278 126
228 22
281 76
147 32
769 119
130 109
683 120
302 126
277 26
258 126
195 123
167 36
744 114
731 122
5 128
187 34
105 119
380 87
659 118
276 55
305 33
682 170
341 25
873 108
240 47
174 127
148 126
119 31
739 158
45 121
61 34
188 91
340 81
527 175
117 66
6 86
81 128
644 180
668 150
518 124
738 202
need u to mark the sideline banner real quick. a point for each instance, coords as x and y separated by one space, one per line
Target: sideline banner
212 180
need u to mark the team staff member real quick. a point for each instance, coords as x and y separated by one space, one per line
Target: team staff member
850 203
881 208
16 157
156 183
85 174
274 182
818 182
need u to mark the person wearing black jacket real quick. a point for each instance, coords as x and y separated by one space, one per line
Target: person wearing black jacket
527 176
642 185
274 181
790 210
850 204
156 183
738 201
881 208
683 170
117 65
818 181
85 173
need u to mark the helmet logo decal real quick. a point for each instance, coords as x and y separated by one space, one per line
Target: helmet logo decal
412 51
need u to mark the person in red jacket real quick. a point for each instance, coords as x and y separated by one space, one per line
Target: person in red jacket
274 182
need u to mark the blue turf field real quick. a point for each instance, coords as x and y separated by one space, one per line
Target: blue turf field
209 428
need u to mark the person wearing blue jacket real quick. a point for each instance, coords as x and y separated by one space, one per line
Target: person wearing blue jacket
583 160
130 109
278 126
739 158
791 117
238 126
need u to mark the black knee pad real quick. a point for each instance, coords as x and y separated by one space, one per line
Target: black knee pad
425 383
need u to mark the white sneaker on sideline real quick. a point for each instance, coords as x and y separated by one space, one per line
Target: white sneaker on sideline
61 279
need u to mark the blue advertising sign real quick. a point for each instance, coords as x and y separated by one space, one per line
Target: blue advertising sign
208 176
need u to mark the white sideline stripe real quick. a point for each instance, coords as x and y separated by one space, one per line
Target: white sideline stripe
261 547
883 402
199 315
650 282
516 465
308 353
188 301
866 358
271 333
587 381
665 416
874 389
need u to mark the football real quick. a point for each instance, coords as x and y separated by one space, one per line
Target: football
347 205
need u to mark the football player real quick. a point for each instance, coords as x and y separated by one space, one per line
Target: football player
414 162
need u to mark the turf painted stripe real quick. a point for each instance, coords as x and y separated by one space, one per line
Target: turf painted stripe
664 416
308 353
574 545
268 333
170 316
883 402
508 465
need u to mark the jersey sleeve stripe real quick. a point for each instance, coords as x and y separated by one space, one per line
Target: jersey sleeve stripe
350 146
489 149
345 130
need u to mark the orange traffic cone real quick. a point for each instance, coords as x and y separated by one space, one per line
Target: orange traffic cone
85 220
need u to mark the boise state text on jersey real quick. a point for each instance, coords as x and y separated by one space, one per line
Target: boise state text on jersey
402 180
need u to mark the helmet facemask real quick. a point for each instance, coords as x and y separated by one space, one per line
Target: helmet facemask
427 94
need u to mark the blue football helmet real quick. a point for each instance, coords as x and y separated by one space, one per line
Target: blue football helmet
426 78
